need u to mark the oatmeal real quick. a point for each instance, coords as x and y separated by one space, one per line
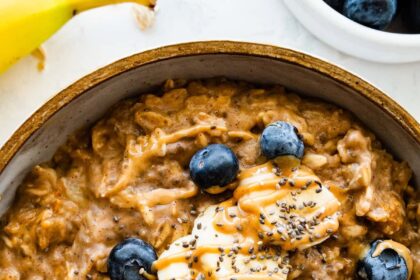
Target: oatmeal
284 218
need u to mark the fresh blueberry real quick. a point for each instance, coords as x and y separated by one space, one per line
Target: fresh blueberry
411 14
389 265
129 257
280 139
376 14
214 167
335 4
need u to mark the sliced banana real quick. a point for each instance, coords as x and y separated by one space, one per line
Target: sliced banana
277 207
210 254
287 205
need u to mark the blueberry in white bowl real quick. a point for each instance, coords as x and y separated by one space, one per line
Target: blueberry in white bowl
131 259
376 14
281 139
387 263
394 44
214 167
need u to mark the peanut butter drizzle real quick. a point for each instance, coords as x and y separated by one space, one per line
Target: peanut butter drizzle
403 251
185 255
140 151
199 267
246 135
260 188
165 196
148 276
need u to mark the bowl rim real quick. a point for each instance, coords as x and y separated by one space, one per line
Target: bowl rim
358 30
83 85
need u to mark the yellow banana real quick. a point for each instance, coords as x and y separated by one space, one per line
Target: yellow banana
25 24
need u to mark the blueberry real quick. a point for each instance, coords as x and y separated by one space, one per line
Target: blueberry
389 265
376 14
335 4
411 15
214 167
280 139
128 257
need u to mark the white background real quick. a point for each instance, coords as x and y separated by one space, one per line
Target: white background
99 37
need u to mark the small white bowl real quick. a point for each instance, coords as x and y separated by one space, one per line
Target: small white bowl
352 38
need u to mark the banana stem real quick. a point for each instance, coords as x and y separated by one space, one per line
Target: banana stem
83 5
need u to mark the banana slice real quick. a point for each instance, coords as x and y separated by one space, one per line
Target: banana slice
287 205
210 254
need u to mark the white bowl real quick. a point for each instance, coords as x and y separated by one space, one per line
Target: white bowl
352 38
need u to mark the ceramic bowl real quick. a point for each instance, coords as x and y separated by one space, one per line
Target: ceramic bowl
88 99
352 38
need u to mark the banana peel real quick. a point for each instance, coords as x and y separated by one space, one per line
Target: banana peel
26 24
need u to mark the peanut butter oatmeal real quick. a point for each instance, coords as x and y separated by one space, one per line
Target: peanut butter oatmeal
339 209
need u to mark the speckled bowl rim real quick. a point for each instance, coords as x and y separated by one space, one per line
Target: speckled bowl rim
66 96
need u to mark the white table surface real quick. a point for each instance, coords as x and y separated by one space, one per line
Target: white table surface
96 38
